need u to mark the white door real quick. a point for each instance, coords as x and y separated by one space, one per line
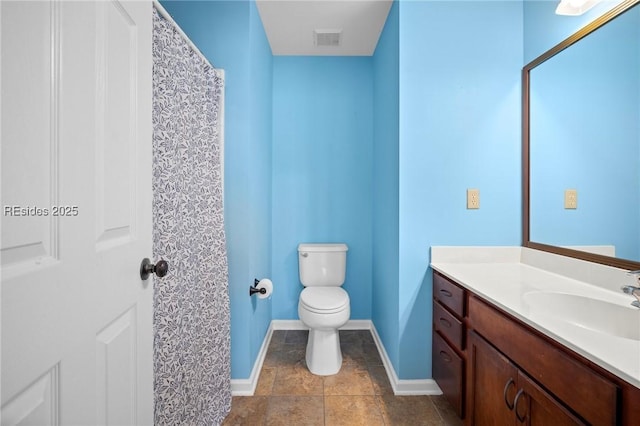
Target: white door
76 212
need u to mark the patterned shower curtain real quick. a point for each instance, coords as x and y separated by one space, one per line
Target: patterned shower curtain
191 304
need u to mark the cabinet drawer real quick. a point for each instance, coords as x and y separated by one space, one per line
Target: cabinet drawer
448 325
447 372
590 395
449 294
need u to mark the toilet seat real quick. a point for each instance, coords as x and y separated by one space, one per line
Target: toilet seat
324 300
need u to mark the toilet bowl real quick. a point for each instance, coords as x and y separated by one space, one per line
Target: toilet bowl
323 305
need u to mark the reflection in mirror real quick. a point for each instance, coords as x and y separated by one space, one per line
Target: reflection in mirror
584 135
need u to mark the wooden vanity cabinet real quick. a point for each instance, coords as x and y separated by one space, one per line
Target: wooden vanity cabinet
497 370
501 394
449 335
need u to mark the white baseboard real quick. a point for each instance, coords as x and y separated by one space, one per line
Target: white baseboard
403 386
247 387
288 325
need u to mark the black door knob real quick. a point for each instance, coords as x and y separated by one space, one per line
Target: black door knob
147 268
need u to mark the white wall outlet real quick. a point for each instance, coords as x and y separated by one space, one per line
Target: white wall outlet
473 198
571 199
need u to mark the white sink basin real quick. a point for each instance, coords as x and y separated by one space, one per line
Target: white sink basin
585 312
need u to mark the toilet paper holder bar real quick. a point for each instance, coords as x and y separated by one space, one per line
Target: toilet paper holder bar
253 290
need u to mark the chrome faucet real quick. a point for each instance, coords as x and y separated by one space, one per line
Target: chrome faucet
634 291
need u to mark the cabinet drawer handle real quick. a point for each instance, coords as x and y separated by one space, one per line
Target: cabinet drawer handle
445 292
445 356
445 322
504 393
520 418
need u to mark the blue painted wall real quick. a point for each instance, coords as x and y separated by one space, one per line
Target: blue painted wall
459 128
230 35
585 135
386 218
322 171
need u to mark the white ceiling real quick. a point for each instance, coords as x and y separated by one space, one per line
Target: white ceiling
290 25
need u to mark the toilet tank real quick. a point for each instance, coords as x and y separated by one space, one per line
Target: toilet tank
322 265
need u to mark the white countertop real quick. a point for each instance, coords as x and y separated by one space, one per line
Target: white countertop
504 276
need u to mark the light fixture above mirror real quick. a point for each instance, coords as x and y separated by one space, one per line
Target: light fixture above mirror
575 7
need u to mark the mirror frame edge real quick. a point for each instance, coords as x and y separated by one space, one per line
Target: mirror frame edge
578 35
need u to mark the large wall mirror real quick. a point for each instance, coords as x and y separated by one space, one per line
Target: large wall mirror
581 131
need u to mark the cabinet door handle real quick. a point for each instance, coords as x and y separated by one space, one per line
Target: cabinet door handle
445 292
445 356
520 418
504 393
445 322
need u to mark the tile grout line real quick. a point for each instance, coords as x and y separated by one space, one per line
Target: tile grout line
437 410
324 408
324 404
379 404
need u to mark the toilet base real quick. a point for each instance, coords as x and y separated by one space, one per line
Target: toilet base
324 357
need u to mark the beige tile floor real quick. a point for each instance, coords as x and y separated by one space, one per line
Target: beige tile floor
360 394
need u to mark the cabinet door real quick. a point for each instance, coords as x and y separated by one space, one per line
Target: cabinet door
537 407
448 372
491 384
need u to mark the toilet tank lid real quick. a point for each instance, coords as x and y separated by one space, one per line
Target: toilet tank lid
312 247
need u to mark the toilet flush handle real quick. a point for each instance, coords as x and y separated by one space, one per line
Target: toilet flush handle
304 254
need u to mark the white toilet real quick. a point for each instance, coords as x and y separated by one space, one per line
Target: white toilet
324 305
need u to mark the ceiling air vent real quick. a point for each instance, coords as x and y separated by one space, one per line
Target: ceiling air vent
327 37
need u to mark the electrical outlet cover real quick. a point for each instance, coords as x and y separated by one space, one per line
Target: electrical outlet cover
473 198
571 199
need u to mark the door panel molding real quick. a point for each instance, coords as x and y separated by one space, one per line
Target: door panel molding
116 353
30 232
36 404
116 125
